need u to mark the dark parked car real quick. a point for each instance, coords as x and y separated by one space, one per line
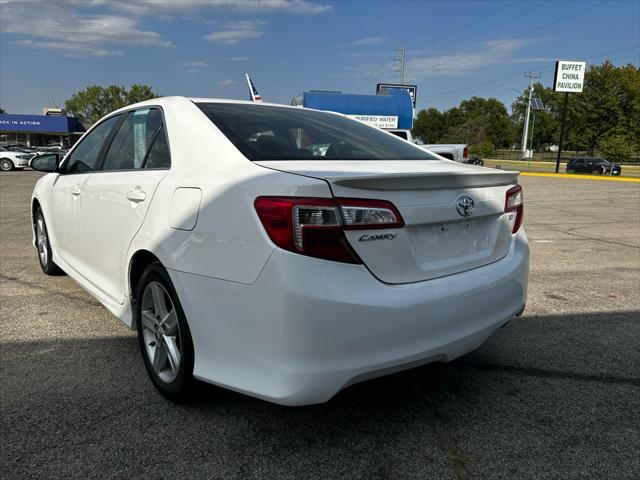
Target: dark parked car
593 166
475 160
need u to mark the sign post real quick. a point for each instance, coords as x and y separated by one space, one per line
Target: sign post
569 77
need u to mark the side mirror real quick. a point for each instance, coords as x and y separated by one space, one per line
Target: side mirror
45 163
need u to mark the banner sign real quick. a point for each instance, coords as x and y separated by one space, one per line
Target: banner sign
380 121
569 76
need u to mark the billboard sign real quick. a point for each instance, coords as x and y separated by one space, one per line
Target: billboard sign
412 89
569 76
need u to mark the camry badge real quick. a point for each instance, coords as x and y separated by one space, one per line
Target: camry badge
380 236
465 205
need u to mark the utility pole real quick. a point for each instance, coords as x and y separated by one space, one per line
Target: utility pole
525 132
400 60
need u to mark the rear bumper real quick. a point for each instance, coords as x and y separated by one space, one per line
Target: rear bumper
307 328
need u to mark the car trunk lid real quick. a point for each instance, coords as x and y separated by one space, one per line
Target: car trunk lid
440 236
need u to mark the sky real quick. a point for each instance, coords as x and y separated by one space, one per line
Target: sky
50 49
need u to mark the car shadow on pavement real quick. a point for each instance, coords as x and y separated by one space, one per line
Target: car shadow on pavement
521 397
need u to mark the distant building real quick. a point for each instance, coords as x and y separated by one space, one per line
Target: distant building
52 128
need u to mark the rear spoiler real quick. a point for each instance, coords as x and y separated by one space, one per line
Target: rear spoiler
428 181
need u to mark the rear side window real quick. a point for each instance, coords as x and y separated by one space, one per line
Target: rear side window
134 139
84 156
277 133
158 156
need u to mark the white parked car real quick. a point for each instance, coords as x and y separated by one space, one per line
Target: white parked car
247 256
13 160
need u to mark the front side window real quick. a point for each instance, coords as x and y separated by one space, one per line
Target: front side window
84 157
130 144
278 133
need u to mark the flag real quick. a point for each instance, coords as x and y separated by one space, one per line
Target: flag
254 96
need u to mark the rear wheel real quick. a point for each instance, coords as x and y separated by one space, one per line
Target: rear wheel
571 170
6 165
596 171
163 334
44 247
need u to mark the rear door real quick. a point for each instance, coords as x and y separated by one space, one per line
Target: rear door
116 198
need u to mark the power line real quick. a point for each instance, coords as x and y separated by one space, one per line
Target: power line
491 47
507 80
381 69
495 45
493 12
493 81
491 27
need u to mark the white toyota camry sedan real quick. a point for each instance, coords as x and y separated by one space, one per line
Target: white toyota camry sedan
277 251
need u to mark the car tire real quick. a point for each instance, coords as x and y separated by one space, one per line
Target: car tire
6 165
597 171
570 170
163 334
43 246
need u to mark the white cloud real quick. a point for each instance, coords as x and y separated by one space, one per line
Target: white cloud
534 60
240 59
195 66
92 27
465 63
367 41
57 26
154 7
237 31
226 83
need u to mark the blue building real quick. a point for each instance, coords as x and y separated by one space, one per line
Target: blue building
391 109
39 130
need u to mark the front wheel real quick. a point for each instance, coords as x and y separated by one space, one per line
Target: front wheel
6 165
163 334
44 247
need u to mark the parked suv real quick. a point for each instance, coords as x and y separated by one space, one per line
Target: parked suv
593 165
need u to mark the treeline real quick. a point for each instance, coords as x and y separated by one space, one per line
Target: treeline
94 102
605 118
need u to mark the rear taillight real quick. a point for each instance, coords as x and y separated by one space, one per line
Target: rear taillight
514 202
315 226
464 152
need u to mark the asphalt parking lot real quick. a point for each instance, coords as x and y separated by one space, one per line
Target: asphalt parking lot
554 394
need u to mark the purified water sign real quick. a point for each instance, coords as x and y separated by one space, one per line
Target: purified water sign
569 76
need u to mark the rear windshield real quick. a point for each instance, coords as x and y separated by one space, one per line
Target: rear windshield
263 132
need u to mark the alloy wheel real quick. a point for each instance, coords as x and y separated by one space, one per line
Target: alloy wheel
42 240
5 165
161 332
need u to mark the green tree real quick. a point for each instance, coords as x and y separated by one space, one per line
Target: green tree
616 147
429 126
476 121
2 110
139 93
94 102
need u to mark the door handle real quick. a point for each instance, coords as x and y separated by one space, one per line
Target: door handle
76 191
136 195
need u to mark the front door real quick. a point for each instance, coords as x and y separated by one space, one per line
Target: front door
66 195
